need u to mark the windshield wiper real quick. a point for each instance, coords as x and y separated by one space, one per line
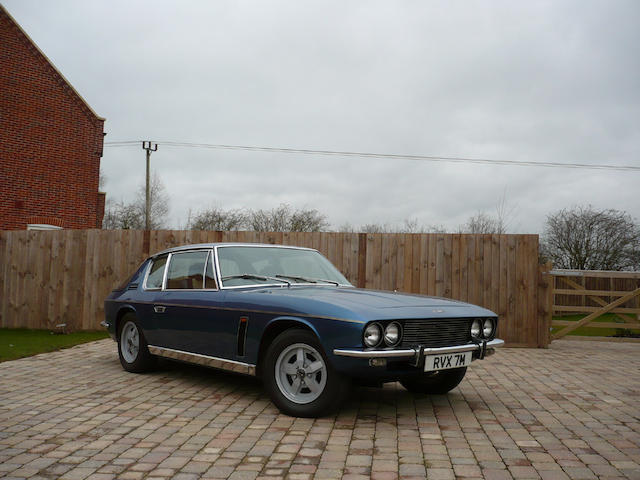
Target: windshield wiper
249 276
309 280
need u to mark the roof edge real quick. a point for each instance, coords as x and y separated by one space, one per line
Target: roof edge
196 246
51 64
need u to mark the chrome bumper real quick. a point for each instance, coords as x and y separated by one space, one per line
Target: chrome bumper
104 324
417 352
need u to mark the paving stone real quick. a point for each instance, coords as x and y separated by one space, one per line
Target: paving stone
553 475
580 473
523 472
466 471
496 474
440 474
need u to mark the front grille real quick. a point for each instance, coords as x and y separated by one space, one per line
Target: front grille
435 332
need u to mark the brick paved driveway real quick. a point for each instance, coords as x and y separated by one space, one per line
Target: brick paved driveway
572 411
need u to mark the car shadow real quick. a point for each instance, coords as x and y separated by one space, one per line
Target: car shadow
360 401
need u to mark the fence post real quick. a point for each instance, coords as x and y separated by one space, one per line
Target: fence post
362 260
545 304
146 242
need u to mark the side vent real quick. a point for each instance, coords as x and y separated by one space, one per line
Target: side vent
133 286
242 335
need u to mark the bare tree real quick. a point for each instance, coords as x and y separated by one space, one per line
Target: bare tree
481 223
121 215
219 219
413 226
346 227
485 223
409 225
436 229
584 238
375 228
274 220
307 220
159 203
504 214
285 219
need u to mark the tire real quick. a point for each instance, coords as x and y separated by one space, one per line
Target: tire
298 377
132 346
436 383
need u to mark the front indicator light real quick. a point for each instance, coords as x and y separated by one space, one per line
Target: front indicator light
377 362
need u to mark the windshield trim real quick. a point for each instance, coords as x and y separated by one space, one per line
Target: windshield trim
275 284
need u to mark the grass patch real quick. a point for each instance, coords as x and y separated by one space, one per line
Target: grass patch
22 342
591 331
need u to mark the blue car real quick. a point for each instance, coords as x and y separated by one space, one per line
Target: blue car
288 316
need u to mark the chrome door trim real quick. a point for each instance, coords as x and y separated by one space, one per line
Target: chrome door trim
206 360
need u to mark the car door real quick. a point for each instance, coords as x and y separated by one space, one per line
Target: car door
189 311
149 294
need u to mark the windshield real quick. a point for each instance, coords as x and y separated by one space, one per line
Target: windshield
246 265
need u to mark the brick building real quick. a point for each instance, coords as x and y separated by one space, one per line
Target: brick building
50 141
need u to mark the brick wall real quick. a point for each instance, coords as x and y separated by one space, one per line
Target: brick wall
50 141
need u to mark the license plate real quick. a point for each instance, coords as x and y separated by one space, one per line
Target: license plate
444 362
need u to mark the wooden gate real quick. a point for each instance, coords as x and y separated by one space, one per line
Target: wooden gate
595 293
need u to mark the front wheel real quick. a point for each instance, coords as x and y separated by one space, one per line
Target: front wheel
132 346
298 377
435 383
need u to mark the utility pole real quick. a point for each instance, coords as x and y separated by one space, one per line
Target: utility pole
147 212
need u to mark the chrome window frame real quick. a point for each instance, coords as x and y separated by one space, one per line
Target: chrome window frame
276 284
166 273
211 256
151 261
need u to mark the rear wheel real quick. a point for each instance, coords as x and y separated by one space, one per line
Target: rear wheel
132 346
298 377
435 383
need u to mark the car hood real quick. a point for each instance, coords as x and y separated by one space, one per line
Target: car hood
353 303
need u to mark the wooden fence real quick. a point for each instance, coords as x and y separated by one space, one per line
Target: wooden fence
594 293
53 277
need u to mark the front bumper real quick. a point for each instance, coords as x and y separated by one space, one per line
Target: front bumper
483 348
110 331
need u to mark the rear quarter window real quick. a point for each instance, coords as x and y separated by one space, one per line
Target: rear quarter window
156 274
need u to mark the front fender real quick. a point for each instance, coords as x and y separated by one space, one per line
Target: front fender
289 320
331 333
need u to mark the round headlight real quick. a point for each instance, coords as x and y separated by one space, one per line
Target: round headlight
476 328
487 328
392 334
372 335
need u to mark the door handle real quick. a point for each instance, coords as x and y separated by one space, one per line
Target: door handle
159 308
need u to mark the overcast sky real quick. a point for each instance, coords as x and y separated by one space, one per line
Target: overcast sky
555 81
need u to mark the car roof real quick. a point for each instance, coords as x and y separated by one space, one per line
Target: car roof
200 246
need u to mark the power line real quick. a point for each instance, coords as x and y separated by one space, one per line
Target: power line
127 143
429 158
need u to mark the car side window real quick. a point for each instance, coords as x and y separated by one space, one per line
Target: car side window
186 270
154 280
209 277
